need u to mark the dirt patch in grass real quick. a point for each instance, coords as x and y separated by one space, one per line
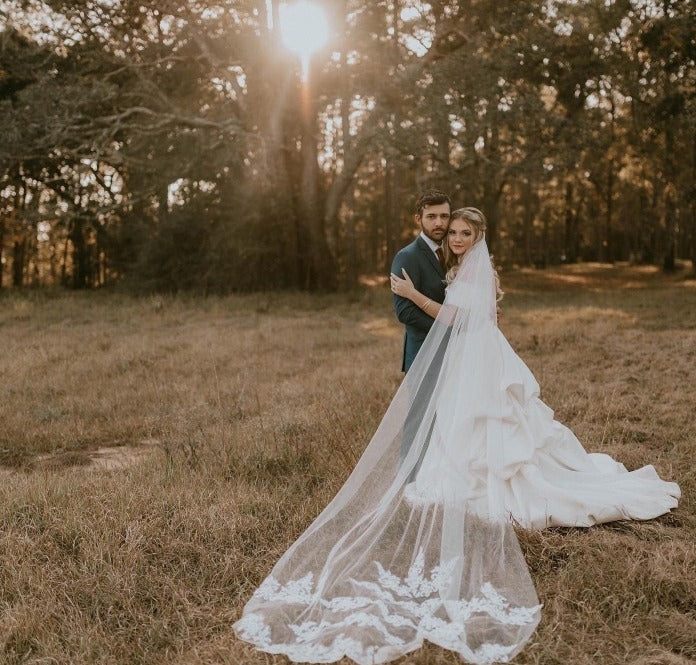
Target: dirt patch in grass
107 458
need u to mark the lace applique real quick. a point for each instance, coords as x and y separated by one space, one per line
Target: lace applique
415 585
386 606
295 591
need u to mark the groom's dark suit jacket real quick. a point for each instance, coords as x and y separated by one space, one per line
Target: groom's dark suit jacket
424 269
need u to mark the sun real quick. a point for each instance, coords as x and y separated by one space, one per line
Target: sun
304 28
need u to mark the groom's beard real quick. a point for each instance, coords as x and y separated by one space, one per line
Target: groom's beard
436 235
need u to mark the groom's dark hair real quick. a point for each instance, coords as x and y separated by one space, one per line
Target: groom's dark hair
431 197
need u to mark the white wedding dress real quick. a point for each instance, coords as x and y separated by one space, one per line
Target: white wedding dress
544 475
420 544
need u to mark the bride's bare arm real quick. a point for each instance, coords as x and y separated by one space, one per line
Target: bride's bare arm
404 288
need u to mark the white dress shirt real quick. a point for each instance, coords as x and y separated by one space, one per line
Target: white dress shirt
431 243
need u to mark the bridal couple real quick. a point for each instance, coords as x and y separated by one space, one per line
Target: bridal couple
420 542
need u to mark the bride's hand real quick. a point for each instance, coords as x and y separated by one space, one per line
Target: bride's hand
402 287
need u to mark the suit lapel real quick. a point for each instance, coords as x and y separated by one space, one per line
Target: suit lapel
430 255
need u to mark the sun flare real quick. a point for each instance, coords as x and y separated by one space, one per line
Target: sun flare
304 28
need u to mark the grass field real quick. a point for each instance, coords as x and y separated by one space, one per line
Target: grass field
238 419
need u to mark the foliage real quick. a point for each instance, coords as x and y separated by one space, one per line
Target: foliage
571 124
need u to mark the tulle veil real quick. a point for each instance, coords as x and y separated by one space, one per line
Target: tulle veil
416 545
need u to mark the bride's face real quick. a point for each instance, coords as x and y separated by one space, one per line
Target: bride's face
460 236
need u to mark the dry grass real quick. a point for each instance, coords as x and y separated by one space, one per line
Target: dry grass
258 407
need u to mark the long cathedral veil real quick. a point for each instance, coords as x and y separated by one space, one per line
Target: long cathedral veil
416 545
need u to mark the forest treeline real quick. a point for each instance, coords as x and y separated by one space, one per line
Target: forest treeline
176 146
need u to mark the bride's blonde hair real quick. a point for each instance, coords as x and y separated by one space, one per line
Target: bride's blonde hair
477 221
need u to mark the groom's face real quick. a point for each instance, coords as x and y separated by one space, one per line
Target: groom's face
434 220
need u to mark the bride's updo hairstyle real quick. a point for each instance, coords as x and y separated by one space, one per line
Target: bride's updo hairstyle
477 220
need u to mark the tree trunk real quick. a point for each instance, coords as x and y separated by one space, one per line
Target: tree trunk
609 222
19 242
609 213
492 188
669 263
392 208
570 232
321 273
546 217
64 263
79 255
392 226
52 263
18 247
2 247
528 220
692 207
351 249
375 241
388 208
349 218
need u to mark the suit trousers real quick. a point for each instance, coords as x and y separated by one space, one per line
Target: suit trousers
423 395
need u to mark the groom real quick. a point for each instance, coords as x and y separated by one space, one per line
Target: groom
423 261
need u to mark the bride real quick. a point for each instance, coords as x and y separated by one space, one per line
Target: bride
421 545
